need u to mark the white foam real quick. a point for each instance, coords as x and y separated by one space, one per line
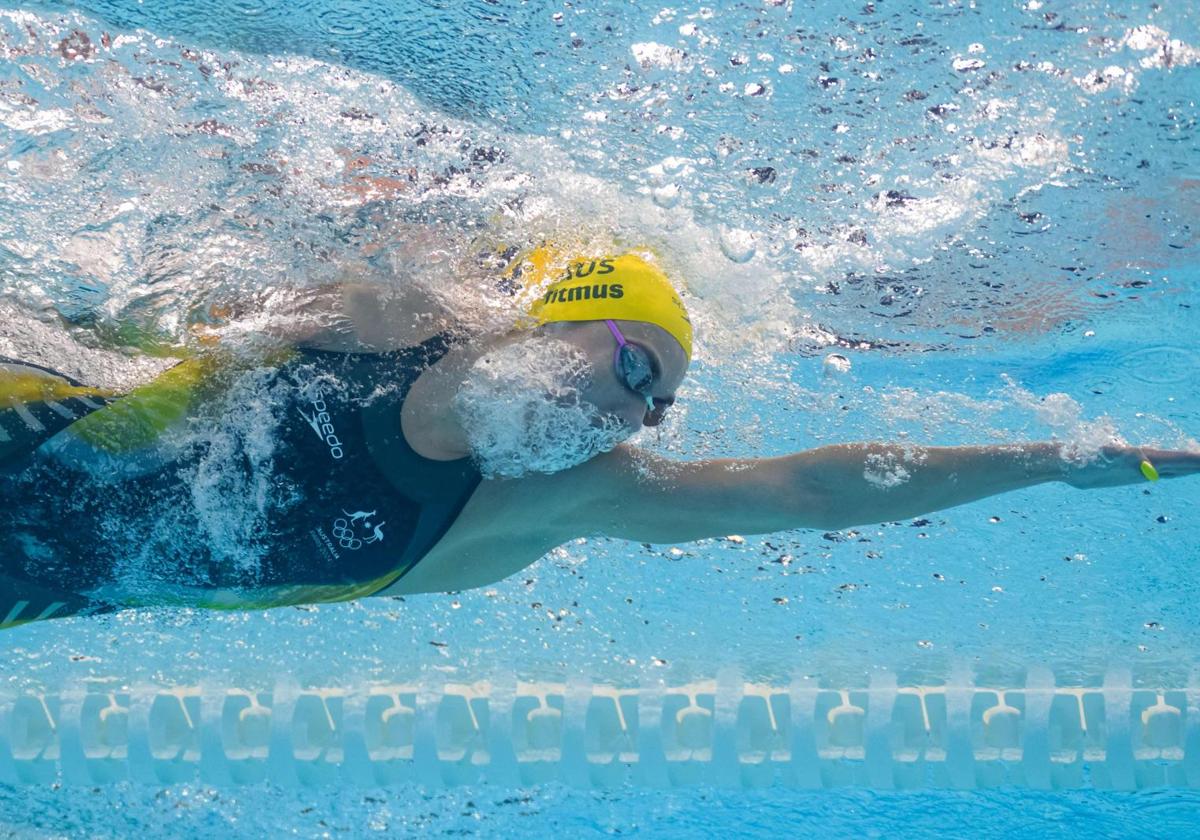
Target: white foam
523 411
1166 51
233 485
935 410
1064 416
884 471
649 54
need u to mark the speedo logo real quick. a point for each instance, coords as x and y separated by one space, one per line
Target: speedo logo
321 423
596 291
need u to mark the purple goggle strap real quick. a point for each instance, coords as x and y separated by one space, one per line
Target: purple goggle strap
621 342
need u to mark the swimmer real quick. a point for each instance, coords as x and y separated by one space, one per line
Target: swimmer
378 449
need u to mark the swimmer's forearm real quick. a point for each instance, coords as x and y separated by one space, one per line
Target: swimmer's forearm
345 317
865 483
311 317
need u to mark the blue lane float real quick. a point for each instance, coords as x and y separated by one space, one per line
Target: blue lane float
723 732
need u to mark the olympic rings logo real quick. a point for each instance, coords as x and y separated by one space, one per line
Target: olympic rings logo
344 534
346 530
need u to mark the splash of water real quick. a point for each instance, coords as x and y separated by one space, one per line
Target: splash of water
523 411
1064 416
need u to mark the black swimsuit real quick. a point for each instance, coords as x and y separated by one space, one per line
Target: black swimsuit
301 488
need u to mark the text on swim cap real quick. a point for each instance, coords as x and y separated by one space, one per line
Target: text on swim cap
593 292
578 270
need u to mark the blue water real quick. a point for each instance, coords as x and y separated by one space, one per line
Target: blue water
989 209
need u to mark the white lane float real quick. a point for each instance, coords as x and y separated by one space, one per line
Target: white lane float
723 731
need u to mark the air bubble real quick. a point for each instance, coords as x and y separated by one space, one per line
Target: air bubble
666 197
737 244
835 364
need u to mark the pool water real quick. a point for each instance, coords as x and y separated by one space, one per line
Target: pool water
988 211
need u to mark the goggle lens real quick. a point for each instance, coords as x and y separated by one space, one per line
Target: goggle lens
636 372
636 369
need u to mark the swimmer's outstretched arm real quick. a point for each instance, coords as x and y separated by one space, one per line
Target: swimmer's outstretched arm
639 496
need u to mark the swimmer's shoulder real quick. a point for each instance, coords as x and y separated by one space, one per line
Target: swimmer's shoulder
628 493
509 523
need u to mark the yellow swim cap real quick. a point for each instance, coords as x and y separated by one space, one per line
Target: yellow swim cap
625 288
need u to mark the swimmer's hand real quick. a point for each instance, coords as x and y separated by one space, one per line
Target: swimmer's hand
1118 465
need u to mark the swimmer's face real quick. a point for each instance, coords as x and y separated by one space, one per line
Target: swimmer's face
523 408
607 390
548 399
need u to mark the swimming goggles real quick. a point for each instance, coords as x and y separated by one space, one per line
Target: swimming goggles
635 370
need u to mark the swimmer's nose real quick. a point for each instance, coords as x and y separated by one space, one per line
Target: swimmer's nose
659 406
